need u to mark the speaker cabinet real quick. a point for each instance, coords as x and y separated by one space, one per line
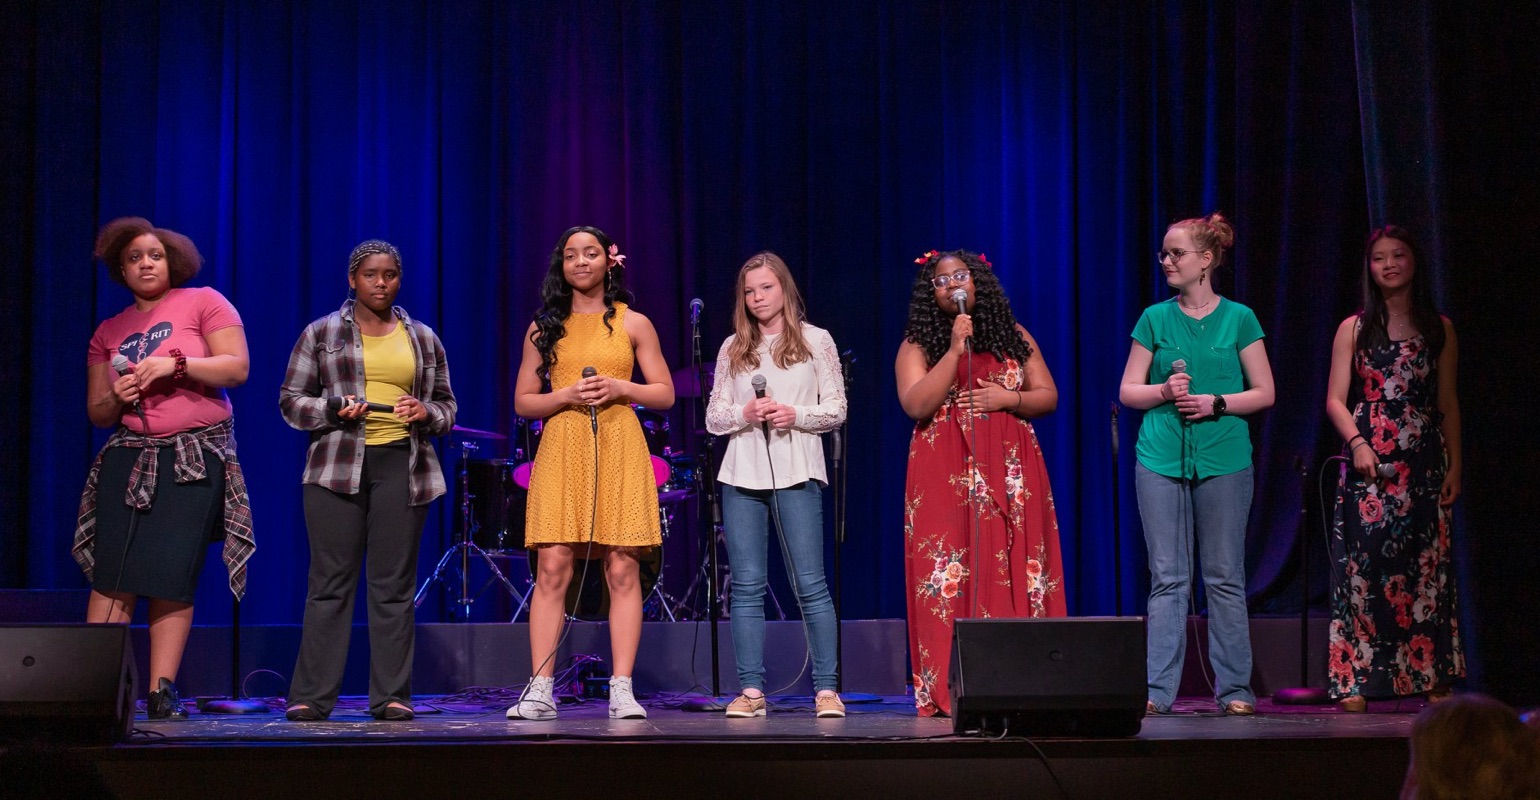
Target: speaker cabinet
1048 677
74 683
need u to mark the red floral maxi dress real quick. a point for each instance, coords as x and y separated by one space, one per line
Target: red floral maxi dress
1394 623
1014 571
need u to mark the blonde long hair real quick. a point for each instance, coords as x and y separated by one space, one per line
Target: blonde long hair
792 347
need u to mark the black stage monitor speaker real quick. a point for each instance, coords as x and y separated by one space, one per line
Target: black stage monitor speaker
72 683
1048 677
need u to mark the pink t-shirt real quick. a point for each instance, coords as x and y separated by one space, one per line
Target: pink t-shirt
179 321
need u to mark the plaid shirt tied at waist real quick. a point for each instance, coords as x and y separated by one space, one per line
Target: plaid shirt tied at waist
189 466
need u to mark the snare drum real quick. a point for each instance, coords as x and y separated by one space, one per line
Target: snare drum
591 599
681 478
496 505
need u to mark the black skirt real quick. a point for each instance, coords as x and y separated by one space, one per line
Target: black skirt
160 552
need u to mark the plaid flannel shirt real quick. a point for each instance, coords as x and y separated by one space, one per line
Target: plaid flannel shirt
328 362
190 465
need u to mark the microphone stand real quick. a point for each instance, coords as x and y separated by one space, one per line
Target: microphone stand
713 513
235 704
841 475
1305 694
1117 529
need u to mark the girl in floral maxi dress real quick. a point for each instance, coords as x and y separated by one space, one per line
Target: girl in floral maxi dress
1395 622
1010 567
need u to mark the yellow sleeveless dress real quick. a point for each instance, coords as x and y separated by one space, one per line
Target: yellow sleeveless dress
561 481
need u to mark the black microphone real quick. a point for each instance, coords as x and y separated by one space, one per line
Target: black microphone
336 402
593 415
695 307
758 382
960 297
121 366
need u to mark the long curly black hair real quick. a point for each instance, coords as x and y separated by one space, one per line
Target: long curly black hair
994 326
556 298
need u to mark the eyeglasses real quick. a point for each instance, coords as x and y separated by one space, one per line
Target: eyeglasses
943 281
1175 254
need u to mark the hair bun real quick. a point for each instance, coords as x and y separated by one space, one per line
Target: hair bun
1224 232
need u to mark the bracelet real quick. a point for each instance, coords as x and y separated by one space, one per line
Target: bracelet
1018 401
1355 447
180 372
1355 436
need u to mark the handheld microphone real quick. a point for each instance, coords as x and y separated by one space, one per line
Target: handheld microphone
593 414
336 402
1386 471
695 307
1179 365
121 366
758 382
960 297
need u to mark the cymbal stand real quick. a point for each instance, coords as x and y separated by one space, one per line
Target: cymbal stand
465 547
666 604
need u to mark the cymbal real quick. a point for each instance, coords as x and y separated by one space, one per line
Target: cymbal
685 384
474 433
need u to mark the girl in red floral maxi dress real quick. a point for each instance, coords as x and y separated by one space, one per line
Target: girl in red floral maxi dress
980 535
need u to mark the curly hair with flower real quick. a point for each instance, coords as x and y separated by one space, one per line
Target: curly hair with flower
994 326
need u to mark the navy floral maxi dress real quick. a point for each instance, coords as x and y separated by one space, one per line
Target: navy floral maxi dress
1394 627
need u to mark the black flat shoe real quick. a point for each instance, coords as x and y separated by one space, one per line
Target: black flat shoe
395 713
165 703
303 712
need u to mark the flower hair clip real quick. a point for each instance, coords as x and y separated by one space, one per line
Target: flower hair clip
616 256
985 259
926 256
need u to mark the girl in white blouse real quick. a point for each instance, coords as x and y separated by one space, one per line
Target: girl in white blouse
778 385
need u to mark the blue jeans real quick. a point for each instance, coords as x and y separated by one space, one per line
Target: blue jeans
1172 510
746 513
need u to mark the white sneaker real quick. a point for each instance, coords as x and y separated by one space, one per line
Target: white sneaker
623 703
538 701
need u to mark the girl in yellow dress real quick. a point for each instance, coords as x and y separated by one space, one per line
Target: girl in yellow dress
578 509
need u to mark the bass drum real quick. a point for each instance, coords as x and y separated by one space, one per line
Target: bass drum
496 506
591 600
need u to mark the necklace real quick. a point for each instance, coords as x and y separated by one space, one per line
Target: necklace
1186 307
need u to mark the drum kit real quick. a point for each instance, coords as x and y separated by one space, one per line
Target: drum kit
490 525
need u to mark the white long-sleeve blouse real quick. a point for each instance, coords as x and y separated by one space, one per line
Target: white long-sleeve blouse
815 388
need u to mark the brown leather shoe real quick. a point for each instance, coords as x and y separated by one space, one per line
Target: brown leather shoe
1353 704
1150 710
1439 694
1239 708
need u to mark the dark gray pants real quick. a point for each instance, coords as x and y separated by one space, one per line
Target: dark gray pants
342 527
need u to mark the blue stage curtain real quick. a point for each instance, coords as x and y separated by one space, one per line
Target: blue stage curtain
1060 138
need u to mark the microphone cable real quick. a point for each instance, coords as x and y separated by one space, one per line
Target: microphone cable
791 574
570 616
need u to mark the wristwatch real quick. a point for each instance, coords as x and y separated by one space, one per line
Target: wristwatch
1219 405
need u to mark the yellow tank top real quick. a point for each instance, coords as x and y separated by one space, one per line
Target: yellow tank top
389 367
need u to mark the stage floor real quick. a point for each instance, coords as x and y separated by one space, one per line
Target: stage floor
462 746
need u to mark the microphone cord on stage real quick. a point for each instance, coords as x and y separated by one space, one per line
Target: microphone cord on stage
791 574
971 463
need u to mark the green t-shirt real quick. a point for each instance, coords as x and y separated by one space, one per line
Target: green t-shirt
1168 444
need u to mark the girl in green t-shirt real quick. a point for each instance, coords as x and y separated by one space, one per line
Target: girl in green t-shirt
1197 363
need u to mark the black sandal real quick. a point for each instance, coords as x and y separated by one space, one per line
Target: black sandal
396 711
303 712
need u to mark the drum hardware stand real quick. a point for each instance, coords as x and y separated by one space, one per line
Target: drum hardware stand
465 547
666 603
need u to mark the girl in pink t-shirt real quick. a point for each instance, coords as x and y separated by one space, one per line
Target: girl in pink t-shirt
167 482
